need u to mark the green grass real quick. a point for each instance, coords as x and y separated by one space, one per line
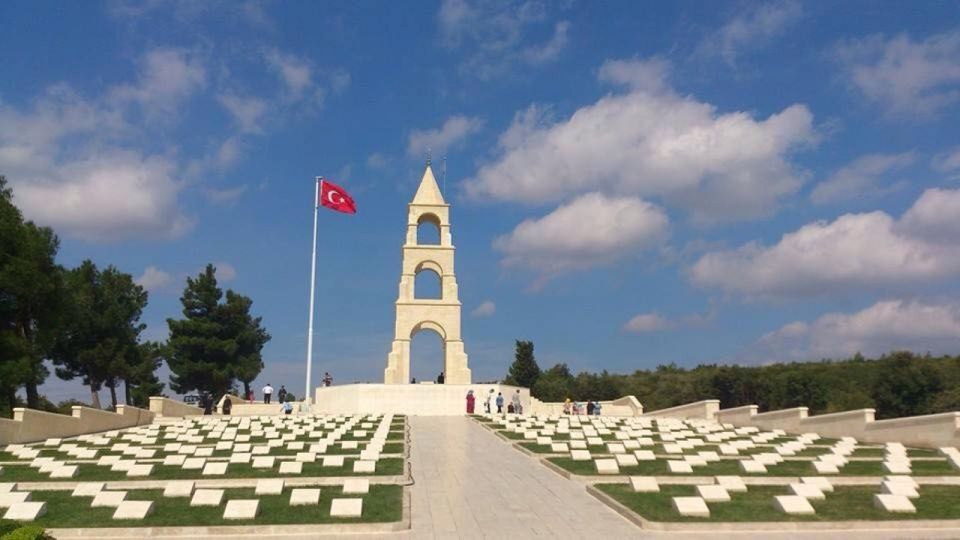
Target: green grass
90 472
757 504
395 435
383 504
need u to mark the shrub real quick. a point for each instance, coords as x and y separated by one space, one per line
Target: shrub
29 532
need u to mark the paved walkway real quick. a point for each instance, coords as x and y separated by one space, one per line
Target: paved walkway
471 484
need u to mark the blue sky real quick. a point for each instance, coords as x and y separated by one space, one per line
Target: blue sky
632 183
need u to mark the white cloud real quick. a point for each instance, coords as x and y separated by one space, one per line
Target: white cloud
495 36
226 196
485 309
153 279
859 177
853 252
225 271
885 326
549 51
652 143
298 76
592 230
948 162
754 27
247 112
649 75
454 131
647 322
904 76
377 161
167 77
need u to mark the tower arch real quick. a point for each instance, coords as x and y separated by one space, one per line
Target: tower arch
441 315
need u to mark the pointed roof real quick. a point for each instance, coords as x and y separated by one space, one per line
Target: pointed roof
429 191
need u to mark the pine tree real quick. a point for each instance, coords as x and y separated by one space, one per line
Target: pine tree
524 371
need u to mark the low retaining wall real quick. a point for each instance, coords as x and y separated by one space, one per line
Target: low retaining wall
29 425
162 406
704 410
624 406
930 431
412 399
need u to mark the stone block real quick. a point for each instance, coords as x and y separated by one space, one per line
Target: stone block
88 489
140 470
607 466
644 455
263 462
807 491
753 467
64 471
578 445
626 460
195 463
346 507
616 448
902 478
732 483
823 484
560 448
898 488
207 497
713 493
823 467
333 461
9 498
896 467
355 486
679 467
215 468
580 455
691 506
178 488
305 497
25 511
242 509
291 467
644 484
306 457
364 466
894 503
269 486
133 510
793 504
672 449
108 498
695 461
174 460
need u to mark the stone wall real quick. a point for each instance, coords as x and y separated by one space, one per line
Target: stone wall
413 399
625 406
705 409
162 406
29 425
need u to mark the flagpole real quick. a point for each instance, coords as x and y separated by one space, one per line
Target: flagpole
313 281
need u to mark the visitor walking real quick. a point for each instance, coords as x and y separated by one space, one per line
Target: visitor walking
267 393
327 379
517 407
499 402
590 408
282 394
227 405
471 400
250 396
488 404
440 378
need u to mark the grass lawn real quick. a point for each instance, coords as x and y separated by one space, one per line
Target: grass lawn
90 472
382 504
757 504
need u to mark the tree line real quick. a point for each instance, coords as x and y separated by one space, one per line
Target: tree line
85 322
896 384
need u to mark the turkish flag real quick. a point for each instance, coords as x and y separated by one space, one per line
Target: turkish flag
335 198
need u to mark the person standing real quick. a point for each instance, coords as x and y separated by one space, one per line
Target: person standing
227 405
440 378
488 404
471 400
589 407
327 379
267 393
282 394
596 409
499 402
517 408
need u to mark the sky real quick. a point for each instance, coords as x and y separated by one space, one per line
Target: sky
632 183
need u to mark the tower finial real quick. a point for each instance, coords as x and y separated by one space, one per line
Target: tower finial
429 154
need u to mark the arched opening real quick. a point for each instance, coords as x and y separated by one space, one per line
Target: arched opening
428 230
427 352
427 284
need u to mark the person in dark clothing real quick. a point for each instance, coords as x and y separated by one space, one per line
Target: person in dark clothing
227 405
207 404
440 378
590 408
282 394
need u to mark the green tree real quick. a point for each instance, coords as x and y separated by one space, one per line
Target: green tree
98 341
524 370
215 342
905 385
31 289
140 380
553 384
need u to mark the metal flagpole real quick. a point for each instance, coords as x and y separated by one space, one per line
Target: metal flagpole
313 280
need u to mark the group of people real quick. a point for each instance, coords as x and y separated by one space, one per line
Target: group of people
575 407
514 407
440 379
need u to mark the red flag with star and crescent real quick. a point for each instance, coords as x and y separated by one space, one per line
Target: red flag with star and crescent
335 198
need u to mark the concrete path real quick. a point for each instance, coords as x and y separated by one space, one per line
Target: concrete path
471 484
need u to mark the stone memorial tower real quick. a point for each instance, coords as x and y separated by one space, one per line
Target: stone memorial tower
441 315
